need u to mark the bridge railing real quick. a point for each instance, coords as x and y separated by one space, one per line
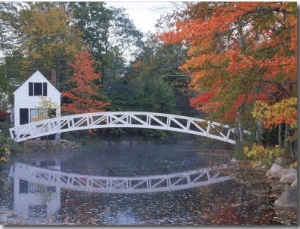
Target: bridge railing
107 184
124 119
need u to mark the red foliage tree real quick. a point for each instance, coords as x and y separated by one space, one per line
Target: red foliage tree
82 97
3 116
239 52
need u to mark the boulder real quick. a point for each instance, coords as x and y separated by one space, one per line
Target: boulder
294 184
287 171
288 199
283 161
276 170
288 178
277 187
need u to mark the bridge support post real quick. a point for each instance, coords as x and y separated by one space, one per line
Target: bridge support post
57 137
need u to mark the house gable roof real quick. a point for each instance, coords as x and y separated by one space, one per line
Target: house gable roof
36 77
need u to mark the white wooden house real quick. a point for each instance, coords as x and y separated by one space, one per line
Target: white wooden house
27 99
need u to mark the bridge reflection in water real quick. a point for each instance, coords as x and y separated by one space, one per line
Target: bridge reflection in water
49 182
108 184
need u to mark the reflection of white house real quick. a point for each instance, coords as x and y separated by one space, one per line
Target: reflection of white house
28 97
32 200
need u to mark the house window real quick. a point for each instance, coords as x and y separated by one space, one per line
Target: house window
34 187
24 116
37 211
37 89
33 114
40 114
23 186
37 114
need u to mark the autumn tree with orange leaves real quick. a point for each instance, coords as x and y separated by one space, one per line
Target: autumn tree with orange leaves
241 55
83 93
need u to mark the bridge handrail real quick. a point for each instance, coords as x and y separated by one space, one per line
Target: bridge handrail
117 119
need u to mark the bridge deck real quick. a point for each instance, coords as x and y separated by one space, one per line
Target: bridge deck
124 119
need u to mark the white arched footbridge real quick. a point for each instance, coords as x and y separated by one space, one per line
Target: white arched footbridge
124 119
107 184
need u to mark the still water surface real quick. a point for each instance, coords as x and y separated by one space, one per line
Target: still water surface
224 203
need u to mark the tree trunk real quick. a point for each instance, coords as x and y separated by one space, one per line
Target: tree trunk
239 128
293 150
286 135
259 136
241 132
290 144
280 142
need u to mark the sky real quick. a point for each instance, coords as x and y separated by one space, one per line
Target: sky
144 14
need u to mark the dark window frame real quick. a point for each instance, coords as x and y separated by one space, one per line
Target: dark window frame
24 116
37 89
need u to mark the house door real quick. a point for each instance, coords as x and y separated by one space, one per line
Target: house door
24 116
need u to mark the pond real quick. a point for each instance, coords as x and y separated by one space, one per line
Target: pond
64 188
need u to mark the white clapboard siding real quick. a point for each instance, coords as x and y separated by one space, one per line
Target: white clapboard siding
23 100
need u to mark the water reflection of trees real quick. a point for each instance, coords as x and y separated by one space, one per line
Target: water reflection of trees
228 203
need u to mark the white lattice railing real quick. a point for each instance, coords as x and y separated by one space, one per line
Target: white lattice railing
106 184
124 119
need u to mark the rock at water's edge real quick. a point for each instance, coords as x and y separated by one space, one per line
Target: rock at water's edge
288 178
294 184
288 199
276 170
277 187
288 171
282 161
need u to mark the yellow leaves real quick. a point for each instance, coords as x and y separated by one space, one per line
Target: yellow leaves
50 22
47 103
255 152
6 150
260 154
44 25
47 39
246 149
284 111
294 165
4 158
